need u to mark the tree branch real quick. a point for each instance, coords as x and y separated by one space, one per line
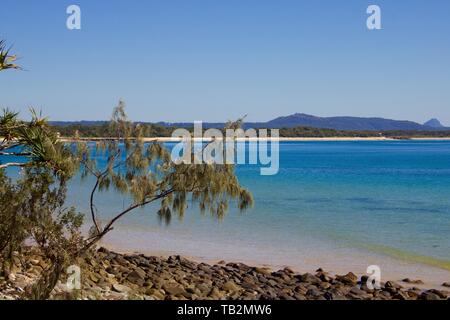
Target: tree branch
108 227
94 219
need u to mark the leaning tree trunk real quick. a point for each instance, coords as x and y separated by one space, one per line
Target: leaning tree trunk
44 286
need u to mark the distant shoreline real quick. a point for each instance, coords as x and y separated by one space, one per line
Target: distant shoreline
281 139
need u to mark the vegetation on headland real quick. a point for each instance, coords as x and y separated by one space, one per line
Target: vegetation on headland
151 130
101 130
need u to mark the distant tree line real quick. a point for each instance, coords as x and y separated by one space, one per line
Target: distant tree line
103 130
150 130
405 134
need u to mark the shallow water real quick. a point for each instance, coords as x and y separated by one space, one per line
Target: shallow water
340 205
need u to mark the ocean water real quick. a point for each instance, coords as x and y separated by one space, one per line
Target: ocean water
341 205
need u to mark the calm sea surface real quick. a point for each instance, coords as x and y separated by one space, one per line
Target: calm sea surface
331 203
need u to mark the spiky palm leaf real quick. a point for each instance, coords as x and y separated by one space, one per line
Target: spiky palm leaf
7 60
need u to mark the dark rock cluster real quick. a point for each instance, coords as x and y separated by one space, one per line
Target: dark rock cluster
109 275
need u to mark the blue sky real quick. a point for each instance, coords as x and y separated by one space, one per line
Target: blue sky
215 60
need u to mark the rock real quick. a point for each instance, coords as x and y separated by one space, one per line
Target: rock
155 293
366 288
288 270
324 277
429 296
392 287
104 285
401 296
114 296
324 285
407 280
230 286
282 275
173 289
382 294
142 263
446 284
139 271
93 277
309 278
413 294
216 294
284 296
137 277
313 293
301 289
350 278
364 279
392 284
298 296
264 271
250 286
93 263
334 296
120 260
121 288
34 262
440 294
358 293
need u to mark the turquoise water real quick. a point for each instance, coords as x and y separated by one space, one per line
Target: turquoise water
386 198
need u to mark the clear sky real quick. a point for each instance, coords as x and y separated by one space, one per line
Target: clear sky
214 60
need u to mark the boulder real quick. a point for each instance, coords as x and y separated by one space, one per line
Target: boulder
173 289
350 278
429 296
121 288
230 286
137 277
309 278
407 280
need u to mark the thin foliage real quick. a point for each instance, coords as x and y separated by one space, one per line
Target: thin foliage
146 172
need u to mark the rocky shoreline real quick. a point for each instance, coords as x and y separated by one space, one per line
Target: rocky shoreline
113 276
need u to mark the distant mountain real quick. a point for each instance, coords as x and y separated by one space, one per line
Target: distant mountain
305 120
346 123
434 123
336 123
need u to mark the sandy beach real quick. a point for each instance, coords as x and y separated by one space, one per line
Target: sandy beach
281 139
